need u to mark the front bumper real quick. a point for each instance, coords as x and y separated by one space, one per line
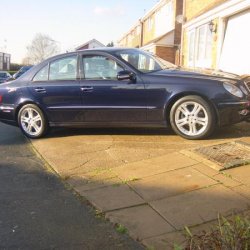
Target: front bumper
233 112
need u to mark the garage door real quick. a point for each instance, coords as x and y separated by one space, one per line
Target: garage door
235 55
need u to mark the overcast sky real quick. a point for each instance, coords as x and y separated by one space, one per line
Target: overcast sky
70 22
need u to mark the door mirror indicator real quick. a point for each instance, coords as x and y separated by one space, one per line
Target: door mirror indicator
126 75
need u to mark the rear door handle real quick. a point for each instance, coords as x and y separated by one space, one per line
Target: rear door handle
40 90
86 89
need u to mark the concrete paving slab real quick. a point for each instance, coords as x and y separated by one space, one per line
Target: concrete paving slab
141 221
153 166
221 177
243 190
90 185
171 183
70 155
113 197
90 178
137 151
199 206
226 180
241 174
205 169
165 241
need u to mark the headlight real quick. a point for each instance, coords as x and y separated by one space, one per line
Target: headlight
232 89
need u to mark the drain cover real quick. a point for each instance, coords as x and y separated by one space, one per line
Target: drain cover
227 155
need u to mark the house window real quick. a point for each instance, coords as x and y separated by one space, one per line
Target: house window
149 23
129 37
138 30
191 46
200 47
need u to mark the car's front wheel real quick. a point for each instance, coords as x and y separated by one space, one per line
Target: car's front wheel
32 121
192 117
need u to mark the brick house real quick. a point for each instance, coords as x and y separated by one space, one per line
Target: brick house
157 31
90 45
4 61
216 35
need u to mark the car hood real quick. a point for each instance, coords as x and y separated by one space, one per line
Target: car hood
198 73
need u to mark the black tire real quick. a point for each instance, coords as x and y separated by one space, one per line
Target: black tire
192 121
42 123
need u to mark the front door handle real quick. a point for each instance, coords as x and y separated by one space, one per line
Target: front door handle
86 89
40 90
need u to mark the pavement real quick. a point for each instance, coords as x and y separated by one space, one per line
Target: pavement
147 181
37 211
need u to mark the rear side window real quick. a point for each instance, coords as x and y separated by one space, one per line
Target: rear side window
42 75
63 69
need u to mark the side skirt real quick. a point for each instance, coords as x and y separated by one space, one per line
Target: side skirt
108 125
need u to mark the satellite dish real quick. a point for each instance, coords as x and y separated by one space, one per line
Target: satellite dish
180 19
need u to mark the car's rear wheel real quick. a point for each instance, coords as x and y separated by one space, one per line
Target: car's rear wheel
32 121
192 117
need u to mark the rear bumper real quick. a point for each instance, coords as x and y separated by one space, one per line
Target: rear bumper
7 114
233 112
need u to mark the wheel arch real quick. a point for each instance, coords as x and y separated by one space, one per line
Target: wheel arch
175 98
22 104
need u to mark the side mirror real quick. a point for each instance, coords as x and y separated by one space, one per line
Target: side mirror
126 75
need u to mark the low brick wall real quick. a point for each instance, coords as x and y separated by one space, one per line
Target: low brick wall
167 53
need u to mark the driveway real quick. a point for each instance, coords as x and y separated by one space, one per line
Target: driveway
150 181
38 212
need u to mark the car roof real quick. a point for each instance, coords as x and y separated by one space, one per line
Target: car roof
109 49
101 49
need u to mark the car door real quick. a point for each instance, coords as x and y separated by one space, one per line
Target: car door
105 98
56 88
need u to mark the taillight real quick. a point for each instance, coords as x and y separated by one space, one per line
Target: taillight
1 98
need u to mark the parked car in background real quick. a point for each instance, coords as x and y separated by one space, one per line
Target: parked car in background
117 87
22 71
5 76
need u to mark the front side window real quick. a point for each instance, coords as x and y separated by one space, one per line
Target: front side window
100 67
63 69
42 74
143 61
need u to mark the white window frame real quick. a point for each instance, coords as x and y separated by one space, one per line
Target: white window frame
200 60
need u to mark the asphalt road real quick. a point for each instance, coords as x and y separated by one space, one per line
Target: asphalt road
38 212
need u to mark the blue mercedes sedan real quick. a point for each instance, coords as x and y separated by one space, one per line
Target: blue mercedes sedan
118 87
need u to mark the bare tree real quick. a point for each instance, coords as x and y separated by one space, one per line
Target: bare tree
26 61
41 47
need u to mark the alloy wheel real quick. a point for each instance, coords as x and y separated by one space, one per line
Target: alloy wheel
31 121
191 118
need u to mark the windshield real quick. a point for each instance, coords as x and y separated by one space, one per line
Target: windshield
25 68
144 62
